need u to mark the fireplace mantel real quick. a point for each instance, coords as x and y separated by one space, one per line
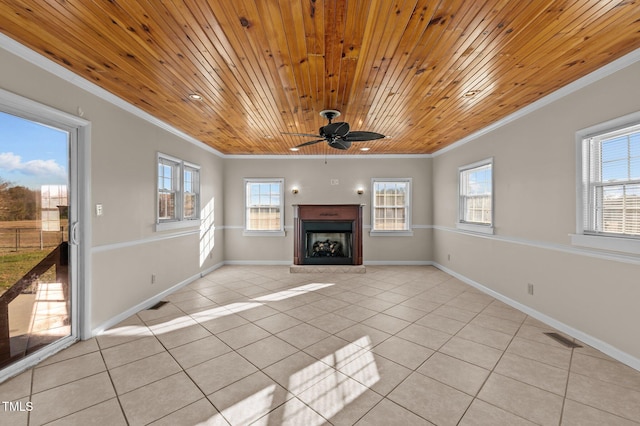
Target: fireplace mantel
326 214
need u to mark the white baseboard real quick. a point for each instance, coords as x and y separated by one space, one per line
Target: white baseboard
259 262
368 262
398 263
598 344
150 302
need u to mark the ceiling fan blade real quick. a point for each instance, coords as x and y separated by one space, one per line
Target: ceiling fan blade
340 144
362 136
309 143
309 135
335 130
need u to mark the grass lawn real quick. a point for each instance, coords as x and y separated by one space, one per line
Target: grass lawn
13 266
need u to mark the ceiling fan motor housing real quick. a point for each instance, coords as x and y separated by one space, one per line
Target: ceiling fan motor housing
338 135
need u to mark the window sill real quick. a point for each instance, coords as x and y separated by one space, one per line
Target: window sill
391 233
477 228
178 224
604 242
263 233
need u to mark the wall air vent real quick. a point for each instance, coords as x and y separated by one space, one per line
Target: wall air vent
561 339
157 306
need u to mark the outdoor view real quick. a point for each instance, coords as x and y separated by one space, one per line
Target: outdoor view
390 206
616 185
475 194
263 206
34 202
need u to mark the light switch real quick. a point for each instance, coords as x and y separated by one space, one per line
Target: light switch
98 209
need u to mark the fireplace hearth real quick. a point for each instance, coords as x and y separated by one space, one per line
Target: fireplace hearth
328 234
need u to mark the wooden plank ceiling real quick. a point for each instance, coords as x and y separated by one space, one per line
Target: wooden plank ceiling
264 67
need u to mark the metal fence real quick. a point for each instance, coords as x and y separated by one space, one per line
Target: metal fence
25 239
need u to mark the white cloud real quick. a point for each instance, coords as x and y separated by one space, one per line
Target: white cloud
13 163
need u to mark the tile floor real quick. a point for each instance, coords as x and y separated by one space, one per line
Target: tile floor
397 345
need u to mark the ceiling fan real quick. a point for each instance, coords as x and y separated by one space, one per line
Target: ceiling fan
337 135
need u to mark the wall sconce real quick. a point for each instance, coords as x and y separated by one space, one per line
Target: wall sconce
360 190
295 190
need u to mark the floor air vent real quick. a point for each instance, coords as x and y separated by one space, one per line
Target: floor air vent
157 305
561 339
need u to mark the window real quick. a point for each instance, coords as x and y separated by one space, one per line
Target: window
178 193
264 205
611 183
191 192
390 212
475 197
168 186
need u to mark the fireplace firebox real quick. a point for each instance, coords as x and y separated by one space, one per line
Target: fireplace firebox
328 234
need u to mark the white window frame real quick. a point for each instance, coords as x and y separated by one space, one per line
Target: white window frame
257 232
179 221
461 223
584 236
408 231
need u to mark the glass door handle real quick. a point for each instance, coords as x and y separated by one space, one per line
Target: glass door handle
74 233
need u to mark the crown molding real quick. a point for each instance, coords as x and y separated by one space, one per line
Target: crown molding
59 71
599 74
326 157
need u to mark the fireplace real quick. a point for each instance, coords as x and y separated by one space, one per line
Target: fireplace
328 234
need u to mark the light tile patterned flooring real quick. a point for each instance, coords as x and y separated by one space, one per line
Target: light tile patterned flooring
397 345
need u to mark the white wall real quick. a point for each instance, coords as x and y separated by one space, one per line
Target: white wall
125 249
313 178
535 211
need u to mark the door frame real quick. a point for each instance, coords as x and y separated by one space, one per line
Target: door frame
79 131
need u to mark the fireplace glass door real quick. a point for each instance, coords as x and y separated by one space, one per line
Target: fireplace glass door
328 243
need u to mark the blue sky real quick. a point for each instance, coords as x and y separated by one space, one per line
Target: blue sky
32 154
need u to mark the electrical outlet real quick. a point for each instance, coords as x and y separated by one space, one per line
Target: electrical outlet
448 257
530 288
153 278
335 182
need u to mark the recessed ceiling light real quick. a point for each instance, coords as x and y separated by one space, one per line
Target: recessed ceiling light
471 93
195 96
267 136
366 148
294 149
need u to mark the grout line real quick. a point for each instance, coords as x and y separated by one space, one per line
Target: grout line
228 282
566 386
491 372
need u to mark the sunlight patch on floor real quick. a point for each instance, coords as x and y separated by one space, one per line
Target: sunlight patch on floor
233 308
251 408
320 385
292 292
